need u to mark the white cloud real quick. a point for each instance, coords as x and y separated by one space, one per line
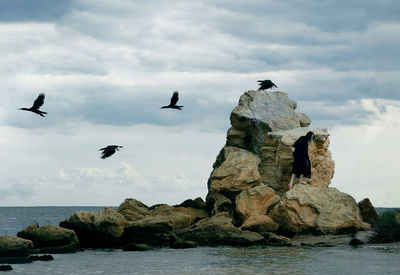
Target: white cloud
366 155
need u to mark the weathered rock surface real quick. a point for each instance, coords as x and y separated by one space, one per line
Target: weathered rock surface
397 218
197 203
307 209
11 246
259 113
51 238
277 160
5 267
97 229
256 200
234 171
367 211
180 217
218 230
152 230
260 223
133 210
218 203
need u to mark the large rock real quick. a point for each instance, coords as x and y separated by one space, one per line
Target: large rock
260 223
259 112
217 203
97 229
180 217
133 210
307 209
234 171
152 230
218 230
256 200
277 159
11 246
367 211
51 238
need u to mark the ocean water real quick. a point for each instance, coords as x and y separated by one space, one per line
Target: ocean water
341 259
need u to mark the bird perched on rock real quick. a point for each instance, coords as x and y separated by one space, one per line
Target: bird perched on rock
109 150
39 101
266 84
174 100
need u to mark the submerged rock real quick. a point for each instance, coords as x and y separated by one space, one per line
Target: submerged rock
5 267
51 238
307 209
137 247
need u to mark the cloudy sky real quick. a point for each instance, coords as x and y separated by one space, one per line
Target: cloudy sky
107 66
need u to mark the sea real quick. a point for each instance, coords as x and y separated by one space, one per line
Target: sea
340 259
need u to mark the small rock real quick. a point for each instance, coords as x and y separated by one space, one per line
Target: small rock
5 267
137 247
180 244
44 258
356 242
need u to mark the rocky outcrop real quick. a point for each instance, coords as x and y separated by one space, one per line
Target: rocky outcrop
234 171
367 211
97 229
11 246
218 230
218 203
277 160
256 200
133 210
51 238
259 113
307 209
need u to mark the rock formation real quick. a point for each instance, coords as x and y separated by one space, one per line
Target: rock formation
248 199
307 209
51 238
11 246
367 211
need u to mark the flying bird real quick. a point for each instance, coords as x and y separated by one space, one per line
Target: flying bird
174 100
266 84
39 101
109 150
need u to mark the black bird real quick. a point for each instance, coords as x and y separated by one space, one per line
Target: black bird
174 100
109 150
39 101
266 84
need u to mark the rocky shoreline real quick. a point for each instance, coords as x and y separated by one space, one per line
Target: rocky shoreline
248 201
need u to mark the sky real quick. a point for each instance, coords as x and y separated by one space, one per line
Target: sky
106 67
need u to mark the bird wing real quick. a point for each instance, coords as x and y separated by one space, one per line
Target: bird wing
39 101
108 151
174 98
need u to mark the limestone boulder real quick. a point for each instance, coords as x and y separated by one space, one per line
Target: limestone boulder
197 203
260 223
151 230
11 246
217 203
256 200
51 238
218 230
234 171
97 229
367 211
277 159
133 210
259 112
308 209
180 217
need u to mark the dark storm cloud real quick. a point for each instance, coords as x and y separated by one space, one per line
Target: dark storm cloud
33 10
